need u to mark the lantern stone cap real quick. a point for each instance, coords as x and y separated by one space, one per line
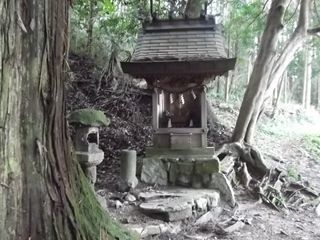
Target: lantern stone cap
89 117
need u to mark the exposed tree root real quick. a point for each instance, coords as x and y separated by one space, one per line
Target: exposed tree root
244 165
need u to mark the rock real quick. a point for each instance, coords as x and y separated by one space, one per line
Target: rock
103 201
196 181
207 166
318 210
147 196
130 198
201 204
154 172
168 209
185 172
173 172
126 186
210 216
152 230
221 183
118 204
177 203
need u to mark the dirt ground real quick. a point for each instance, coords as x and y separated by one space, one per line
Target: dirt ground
130 113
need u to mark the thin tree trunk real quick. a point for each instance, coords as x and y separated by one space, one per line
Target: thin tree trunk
259 94
249 68
279 93
318 93
285 87
90 27
306 96
226 88
253 98
43 192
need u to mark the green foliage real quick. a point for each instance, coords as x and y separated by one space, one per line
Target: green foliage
115 27
89 117
312 143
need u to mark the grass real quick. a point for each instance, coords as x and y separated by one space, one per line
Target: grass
312 144
293 173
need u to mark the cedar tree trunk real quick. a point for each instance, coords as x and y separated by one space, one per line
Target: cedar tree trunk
43 193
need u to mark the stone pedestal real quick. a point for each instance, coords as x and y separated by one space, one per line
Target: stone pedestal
128 162
89 162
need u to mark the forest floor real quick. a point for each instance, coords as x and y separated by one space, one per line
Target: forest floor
289 141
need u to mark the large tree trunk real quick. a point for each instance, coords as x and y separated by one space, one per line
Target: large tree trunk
43 193
253 98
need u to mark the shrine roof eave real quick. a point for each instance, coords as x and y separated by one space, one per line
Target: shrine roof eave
147 69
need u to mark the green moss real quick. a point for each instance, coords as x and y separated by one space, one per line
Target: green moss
89 117
207 166
91 217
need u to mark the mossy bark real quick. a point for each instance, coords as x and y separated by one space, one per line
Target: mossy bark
43 193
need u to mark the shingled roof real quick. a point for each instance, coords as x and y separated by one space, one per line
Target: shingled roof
179 48
180 40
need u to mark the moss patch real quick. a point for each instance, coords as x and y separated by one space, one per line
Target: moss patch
89 117
94 222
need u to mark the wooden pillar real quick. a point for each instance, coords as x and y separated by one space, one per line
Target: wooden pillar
155 109
204 119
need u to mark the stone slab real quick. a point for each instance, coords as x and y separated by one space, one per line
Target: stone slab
178 203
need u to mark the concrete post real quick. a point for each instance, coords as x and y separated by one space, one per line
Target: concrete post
128 163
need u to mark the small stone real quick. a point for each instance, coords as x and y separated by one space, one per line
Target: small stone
125 186
318 210
118 204
201 204
210 216
150 230
130 198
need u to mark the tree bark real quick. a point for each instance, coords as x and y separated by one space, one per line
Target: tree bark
318 91
306 96
90 27
43 192
256 98
253 98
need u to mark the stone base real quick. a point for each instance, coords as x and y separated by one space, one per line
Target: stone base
196 172
178 171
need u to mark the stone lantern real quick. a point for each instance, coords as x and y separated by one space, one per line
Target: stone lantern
177 58
86 123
